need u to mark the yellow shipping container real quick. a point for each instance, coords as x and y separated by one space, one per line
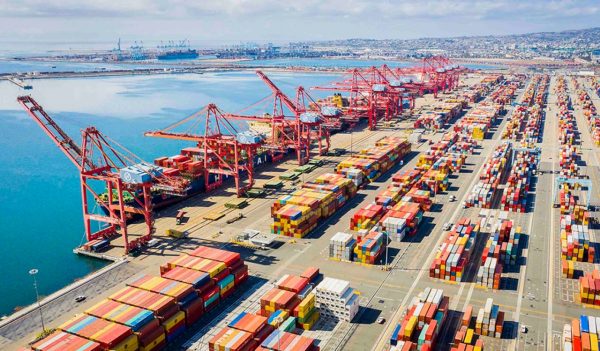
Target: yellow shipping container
410 326
171 322
129 344
306 306
151 346
311 322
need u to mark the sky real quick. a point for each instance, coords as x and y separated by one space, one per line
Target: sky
216 22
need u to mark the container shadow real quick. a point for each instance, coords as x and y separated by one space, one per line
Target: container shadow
336 217
179 246
326 324
510 330
367 315
451 325
392 253
452 188
256 256
509 283
425 228
437 207
475 261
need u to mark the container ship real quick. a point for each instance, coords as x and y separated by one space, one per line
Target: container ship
189 163
177 51
188 54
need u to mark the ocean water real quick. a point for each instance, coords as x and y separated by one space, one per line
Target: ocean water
40 203
25 66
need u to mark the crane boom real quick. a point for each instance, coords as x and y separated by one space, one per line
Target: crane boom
278 93
53 130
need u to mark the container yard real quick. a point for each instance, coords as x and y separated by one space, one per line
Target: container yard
453 212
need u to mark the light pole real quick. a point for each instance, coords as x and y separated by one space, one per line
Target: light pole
386 249
33 272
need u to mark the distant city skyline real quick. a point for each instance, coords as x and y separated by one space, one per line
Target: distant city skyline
231 21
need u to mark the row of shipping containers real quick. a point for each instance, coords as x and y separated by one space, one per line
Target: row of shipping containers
295 303
500 90
371 163
478 121
440 112
574 216
582 334
454 253
298 213
492 174
590 112
527 113
398 209
489 321
153 310
466 337
506 93
418 186
516 190
515 165
501 250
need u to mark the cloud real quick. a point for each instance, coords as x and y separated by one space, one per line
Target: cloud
231 21
388 9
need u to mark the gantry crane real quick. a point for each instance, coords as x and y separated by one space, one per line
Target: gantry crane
365 99
224 150
441 71
294 130
101 160
307 113
399 82
434 74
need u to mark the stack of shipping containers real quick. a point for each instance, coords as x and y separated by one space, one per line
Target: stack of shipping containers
582 333
455 252
423 321
152 311
589 288
500 250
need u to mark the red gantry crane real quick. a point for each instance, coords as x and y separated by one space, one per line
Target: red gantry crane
308 120
296 130
101 160
399 82
434 74
224 150
373 94
364 99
